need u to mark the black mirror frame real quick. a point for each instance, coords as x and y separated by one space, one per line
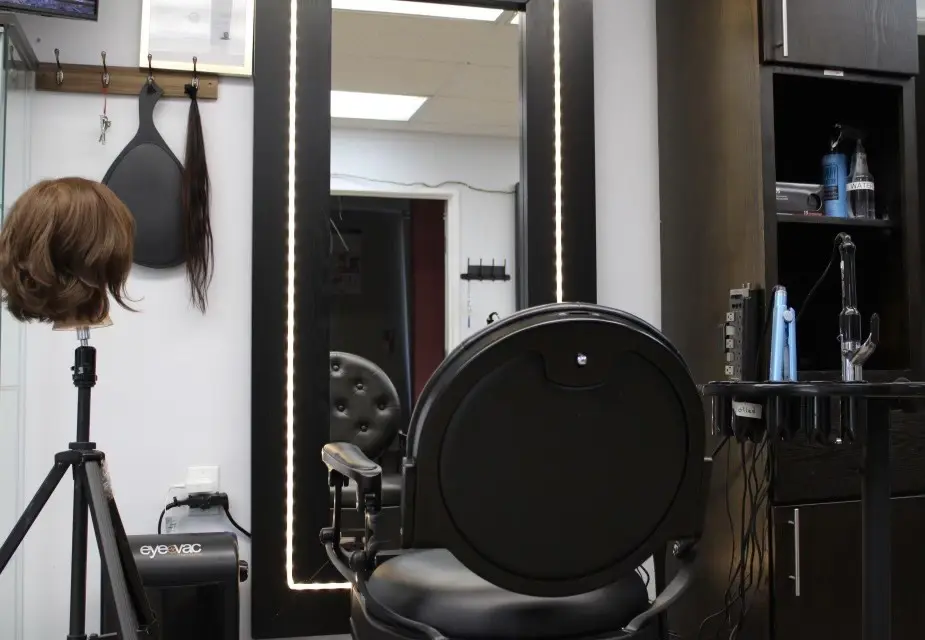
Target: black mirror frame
277 609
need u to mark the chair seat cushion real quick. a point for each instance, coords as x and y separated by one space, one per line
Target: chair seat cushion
433 587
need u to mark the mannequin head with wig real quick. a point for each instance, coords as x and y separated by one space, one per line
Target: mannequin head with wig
65 247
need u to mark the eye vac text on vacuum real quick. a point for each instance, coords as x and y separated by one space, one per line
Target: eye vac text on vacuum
151 551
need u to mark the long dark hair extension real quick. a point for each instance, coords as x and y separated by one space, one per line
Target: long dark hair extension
200 257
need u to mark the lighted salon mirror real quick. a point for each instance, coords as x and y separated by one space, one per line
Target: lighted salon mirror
426 203
425 159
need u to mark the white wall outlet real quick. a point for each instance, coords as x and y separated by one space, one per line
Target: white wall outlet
202 479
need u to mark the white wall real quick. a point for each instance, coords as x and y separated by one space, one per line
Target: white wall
626 122
174 385
626 140
16 161
486 219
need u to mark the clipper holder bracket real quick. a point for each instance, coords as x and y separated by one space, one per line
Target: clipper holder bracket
865 408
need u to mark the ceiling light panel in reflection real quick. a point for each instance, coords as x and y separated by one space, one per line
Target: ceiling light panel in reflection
374 106
516 19
419 9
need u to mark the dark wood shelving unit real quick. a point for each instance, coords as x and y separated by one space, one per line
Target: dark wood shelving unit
846 223
738 112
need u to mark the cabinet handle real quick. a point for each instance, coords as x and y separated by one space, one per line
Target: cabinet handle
786 27
796 544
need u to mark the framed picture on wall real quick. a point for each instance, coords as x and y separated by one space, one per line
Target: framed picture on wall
218 33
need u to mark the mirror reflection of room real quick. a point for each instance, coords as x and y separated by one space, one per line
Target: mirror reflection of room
425 157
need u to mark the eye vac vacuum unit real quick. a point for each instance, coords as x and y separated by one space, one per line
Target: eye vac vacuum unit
192 582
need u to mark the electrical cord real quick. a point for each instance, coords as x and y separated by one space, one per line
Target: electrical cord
825 273
457 183
707 619
203 501
172 505
749 545
235 524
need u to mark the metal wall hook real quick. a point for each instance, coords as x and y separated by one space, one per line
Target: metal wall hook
59 75
150 70
195 82
105 76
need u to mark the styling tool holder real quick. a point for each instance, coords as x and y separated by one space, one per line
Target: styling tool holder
777 410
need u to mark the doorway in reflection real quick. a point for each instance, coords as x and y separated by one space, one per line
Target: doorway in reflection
425 109
388 287
425 159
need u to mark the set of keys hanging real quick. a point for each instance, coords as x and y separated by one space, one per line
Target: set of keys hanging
105 79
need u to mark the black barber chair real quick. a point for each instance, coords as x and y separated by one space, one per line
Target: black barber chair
548 457
366 412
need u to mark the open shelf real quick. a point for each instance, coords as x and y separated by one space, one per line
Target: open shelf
803 251
848 223
806 110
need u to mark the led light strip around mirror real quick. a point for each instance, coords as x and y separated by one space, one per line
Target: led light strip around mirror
291 275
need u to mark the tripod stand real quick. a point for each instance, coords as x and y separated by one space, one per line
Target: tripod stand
92 493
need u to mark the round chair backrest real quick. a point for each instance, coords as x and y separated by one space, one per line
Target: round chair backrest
556 450
365 409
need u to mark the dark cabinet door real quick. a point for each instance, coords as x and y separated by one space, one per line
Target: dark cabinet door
817 570
869 35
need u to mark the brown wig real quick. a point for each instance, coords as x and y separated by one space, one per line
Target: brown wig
65 244
200 257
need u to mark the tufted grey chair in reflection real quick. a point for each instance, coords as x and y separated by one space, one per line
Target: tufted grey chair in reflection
365 409
366 412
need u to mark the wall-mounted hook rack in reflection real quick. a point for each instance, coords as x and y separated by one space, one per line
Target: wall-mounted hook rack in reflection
126 81
485 272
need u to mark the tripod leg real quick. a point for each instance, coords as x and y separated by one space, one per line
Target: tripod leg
31 513
78 621
114 562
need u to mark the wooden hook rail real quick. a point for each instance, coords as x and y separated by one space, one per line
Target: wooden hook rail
126 81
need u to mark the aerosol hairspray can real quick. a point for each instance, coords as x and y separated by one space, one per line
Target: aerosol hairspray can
835 179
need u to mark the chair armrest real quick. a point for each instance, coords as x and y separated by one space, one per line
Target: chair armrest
348 460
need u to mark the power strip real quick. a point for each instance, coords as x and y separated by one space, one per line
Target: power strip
741 334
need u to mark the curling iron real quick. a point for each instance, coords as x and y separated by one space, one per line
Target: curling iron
854 353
